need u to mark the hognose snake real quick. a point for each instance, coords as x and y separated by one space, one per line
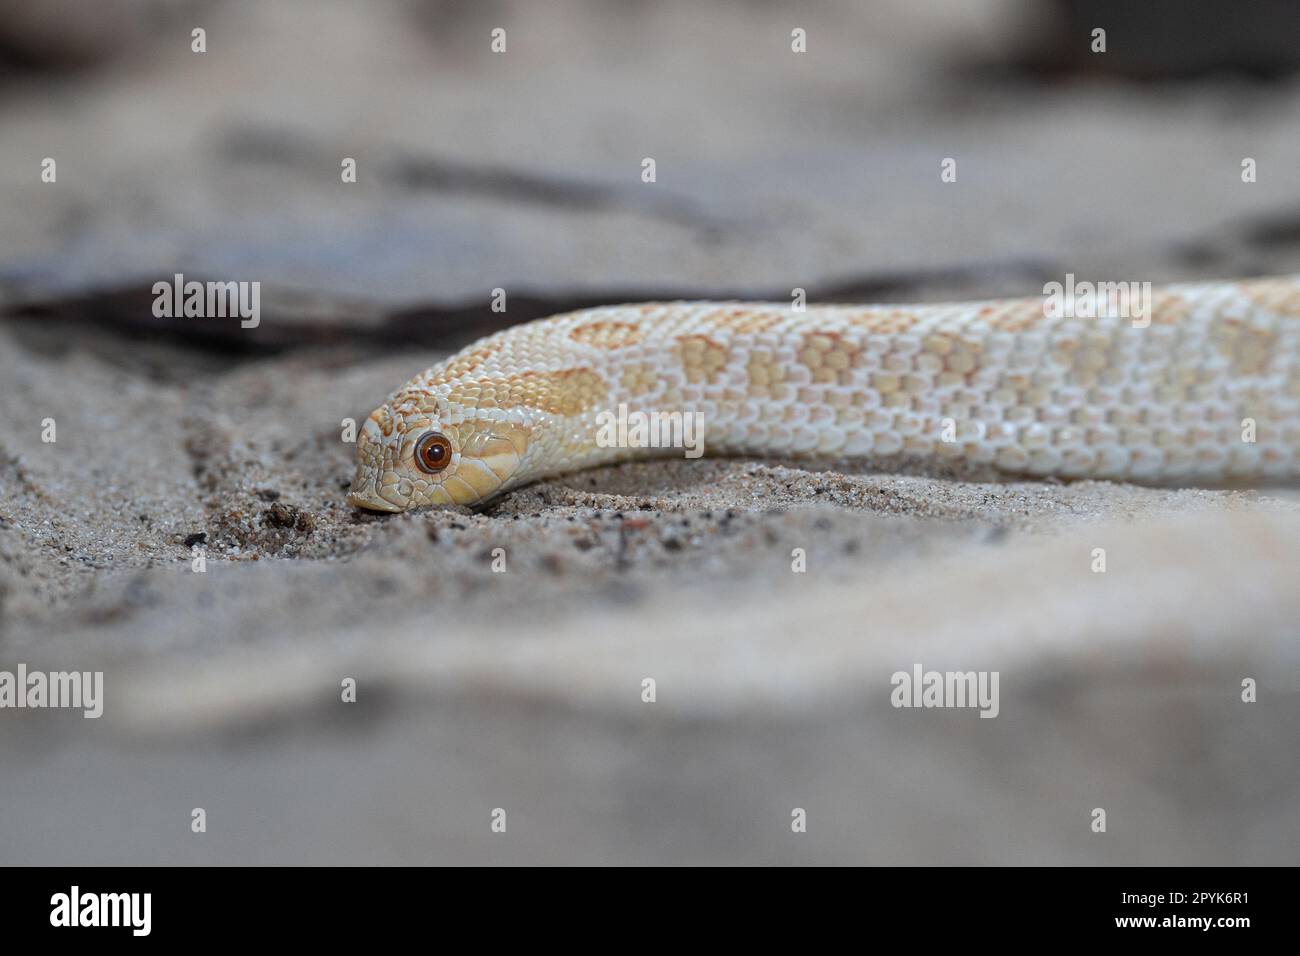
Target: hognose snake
1206 389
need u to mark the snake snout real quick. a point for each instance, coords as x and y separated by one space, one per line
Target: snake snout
370 472
371 502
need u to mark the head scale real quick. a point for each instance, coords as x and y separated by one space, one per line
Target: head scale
420 449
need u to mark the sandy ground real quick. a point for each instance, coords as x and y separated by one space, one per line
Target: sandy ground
522 688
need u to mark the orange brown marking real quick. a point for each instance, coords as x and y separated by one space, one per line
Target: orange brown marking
383 419
567 392
607 335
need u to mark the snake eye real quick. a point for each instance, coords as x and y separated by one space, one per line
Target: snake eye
433 452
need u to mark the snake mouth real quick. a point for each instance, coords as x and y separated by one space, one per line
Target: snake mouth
364 494
371 502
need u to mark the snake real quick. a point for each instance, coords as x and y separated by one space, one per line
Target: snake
1203 386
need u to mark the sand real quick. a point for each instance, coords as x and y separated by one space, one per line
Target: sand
522 688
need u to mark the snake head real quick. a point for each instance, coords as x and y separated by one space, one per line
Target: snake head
417 451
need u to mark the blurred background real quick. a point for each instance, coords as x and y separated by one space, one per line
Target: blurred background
523 170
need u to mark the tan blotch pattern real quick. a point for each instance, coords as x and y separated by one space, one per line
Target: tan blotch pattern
743 319
701 358
567 392
607 335
639 378
765 376
830 357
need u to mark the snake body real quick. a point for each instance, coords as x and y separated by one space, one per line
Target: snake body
1205 389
